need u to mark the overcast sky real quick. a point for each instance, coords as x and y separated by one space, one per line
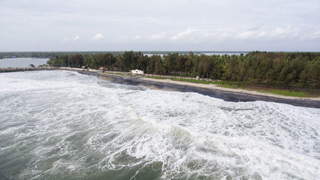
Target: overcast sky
140 25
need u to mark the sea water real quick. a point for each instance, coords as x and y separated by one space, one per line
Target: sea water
65 125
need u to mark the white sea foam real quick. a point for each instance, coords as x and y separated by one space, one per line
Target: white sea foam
59 124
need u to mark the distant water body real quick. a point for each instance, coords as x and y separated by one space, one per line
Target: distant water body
22 62
205 53
65 125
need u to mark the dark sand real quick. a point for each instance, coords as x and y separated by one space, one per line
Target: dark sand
216 93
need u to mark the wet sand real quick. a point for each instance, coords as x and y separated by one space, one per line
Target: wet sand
234 95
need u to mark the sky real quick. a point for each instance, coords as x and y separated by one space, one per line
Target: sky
159 25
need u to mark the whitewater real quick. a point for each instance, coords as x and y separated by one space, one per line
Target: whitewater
65 125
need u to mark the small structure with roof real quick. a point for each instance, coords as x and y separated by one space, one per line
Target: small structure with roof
137 72
102 69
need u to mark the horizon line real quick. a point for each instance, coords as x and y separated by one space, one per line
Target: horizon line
215 51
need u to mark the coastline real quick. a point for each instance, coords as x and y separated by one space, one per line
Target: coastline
227 94
215 87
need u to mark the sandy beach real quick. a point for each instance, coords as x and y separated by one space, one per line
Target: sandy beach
215 87
227 94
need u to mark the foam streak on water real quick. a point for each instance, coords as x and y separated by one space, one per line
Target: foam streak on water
64 125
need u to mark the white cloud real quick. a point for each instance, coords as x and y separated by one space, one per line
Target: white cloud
160 36
223 36
268 21
65 39
183 34
271 34
137 37
76 38
98 37
254 33
245 35
312 36
262 33
284 32
315 35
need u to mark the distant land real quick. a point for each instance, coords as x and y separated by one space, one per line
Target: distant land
49 54
287 70
298 71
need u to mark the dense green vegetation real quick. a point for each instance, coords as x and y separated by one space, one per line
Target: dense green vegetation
287 93
272 69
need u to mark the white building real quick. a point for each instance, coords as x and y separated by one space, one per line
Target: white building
137 71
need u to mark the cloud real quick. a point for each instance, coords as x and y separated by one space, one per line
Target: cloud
262 34
254 29
76 38
183 34
245 35
270 34
260 22
312 36
284 32
160 36
223 36
251 34
98 37
315 35
65 39
137 37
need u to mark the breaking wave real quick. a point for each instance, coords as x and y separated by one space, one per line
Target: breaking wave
64 125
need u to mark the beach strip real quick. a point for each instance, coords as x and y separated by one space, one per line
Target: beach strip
227 94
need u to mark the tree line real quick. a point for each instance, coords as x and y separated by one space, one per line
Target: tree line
299 69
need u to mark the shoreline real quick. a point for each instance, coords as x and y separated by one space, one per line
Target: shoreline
236 90
227 94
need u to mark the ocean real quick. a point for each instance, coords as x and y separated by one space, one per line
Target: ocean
66 125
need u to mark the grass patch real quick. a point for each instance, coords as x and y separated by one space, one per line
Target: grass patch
225 84
219 83
271 91
191 80
120 74
157 77
287 93
233 86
